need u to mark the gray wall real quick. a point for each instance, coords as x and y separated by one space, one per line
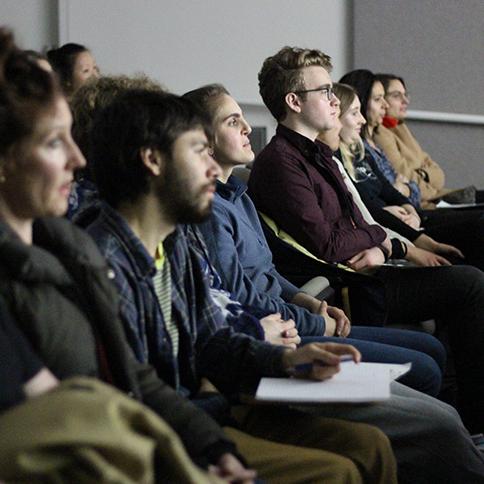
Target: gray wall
437 47
34 22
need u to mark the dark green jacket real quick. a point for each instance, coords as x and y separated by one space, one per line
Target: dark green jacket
59 292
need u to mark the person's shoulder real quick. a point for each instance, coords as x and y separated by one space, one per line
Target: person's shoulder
67 237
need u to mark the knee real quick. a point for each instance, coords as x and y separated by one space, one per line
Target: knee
372 444
469 277
425 375
337 469
434 348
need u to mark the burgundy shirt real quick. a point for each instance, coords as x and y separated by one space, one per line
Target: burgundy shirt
297 184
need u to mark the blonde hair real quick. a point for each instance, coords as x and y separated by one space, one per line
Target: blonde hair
282 73
351 154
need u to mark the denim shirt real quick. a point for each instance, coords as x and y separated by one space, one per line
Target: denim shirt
240 253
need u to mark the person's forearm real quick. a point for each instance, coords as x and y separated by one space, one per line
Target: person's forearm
307 301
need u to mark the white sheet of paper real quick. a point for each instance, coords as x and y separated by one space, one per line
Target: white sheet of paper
443 204
365 382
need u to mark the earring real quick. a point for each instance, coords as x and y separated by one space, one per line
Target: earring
210 152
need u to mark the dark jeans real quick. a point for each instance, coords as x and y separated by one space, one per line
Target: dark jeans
454 297
388 345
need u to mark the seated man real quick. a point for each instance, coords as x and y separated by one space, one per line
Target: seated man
238 248
164 176
295 182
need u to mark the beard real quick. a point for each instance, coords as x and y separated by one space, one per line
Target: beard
182 203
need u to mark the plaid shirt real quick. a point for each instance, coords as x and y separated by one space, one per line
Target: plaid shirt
208 347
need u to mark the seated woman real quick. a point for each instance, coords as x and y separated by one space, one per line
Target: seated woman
74 64
346 141
54 280
238 249
464 230
105 441
405 153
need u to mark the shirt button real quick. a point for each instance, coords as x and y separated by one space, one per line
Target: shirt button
111 274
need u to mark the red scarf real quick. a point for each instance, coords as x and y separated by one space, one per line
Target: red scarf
390 122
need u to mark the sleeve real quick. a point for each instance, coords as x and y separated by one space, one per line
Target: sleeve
388 143
389 220
220 239
15 346
199 433
18 363
245 361
388 193
296 209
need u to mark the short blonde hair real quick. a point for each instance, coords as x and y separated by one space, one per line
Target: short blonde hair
282 73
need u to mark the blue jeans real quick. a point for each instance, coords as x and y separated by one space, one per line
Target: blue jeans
388 345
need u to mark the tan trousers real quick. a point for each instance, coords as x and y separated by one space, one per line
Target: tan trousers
317 449
88 432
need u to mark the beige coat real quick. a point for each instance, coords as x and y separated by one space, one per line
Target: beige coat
408 159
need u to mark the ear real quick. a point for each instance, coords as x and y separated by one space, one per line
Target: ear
293 102
152 160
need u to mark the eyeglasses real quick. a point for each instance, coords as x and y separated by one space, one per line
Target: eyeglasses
401 96
328 90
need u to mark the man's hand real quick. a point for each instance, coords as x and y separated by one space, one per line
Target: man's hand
424 258
343 324
323 357
329 322
366 258
280 332
230 469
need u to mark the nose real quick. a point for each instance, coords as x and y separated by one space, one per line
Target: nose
385 104
213 168
246 127
335 100
76 159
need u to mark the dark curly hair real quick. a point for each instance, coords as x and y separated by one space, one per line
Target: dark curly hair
135 120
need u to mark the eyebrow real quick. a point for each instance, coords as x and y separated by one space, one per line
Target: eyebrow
232 115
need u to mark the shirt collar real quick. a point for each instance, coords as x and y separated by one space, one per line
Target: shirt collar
144 263
232 189
307 147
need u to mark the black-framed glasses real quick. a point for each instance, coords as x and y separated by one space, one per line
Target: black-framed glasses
401 96
328 90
